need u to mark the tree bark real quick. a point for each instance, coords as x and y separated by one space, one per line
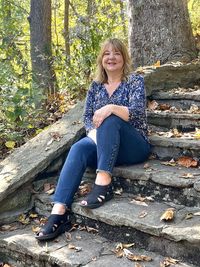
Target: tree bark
66 31
160 30
41 53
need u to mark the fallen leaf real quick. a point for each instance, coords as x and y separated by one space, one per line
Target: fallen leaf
134 257
187 162
77 249
84 189
78 237
164 106
157 64
10 144
56 136
138 265
168 215
169 163
169 261
23 219
187 175
68 236
36 228
152 105
189 216
49 142
197 134
137 202
196 213
143 214
128 245
91 230
194 109
33 215
176 133
118 191
50 191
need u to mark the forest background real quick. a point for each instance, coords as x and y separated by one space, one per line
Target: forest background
77 29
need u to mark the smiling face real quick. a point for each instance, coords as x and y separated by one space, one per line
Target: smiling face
112 60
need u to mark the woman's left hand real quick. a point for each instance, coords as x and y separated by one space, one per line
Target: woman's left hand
101 114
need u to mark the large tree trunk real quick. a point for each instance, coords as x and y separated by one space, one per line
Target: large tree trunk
41 53
160 30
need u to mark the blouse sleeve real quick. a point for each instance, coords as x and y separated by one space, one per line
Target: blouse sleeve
137 99
89 109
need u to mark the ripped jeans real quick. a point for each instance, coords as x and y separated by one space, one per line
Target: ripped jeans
118 143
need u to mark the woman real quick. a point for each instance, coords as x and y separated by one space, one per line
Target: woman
115 122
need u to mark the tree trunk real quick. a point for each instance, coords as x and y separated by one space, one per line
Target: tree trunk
41 53
66 31
160 30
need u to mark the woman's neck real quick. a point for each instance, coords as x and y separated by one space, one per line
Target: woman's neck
114 78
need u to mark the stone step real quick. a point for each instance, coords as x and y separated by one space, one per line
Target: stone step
178 93
154 178
180 237
182 121
168 147
21 249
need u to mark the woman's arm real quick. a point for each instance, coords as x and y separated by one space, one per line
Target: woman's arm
89 109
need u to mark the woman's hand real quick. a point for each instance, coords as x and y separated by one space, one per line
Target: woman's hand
101 114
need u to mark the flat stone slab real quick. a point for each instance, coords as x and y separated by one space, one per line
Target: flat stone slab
178 94
21 248
165 147
170 76
26 162
158 172
122 212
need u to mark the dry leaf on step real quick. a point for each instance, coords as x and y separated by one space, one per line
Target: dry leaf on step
138 264
143 214
152 105
168 215
197 134
168 261
164 106
157 63
187 162
137 202
189 216
133 257
187 175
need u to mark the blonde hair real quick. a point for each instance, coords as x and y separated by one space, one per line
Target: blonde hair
101 75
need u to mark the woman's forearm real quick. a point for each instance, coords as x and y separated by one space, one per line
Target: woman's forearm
120 111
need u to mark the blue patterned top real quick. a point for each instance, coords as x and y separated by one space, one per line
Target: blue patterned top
130 93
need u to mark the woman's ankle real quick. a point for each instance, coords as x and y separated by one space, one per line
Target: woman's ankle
58 209
103 178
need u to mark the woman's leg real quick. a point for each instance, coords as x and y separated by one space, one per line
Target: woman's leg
81 155
118 142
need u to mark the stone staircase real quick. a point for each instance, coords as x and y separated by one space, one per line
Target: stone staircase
143 192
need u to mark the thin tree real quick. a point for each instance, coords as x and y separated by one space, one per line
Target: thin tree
66 31
160 30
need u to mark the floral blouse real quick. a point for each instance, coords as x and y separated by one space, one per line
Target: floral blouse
130 93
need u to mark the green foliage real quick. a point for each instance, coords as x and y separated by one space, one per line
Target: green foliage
19 114
194 11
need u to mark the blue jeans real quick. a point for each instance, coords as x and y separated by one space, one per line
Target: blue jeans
118 143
